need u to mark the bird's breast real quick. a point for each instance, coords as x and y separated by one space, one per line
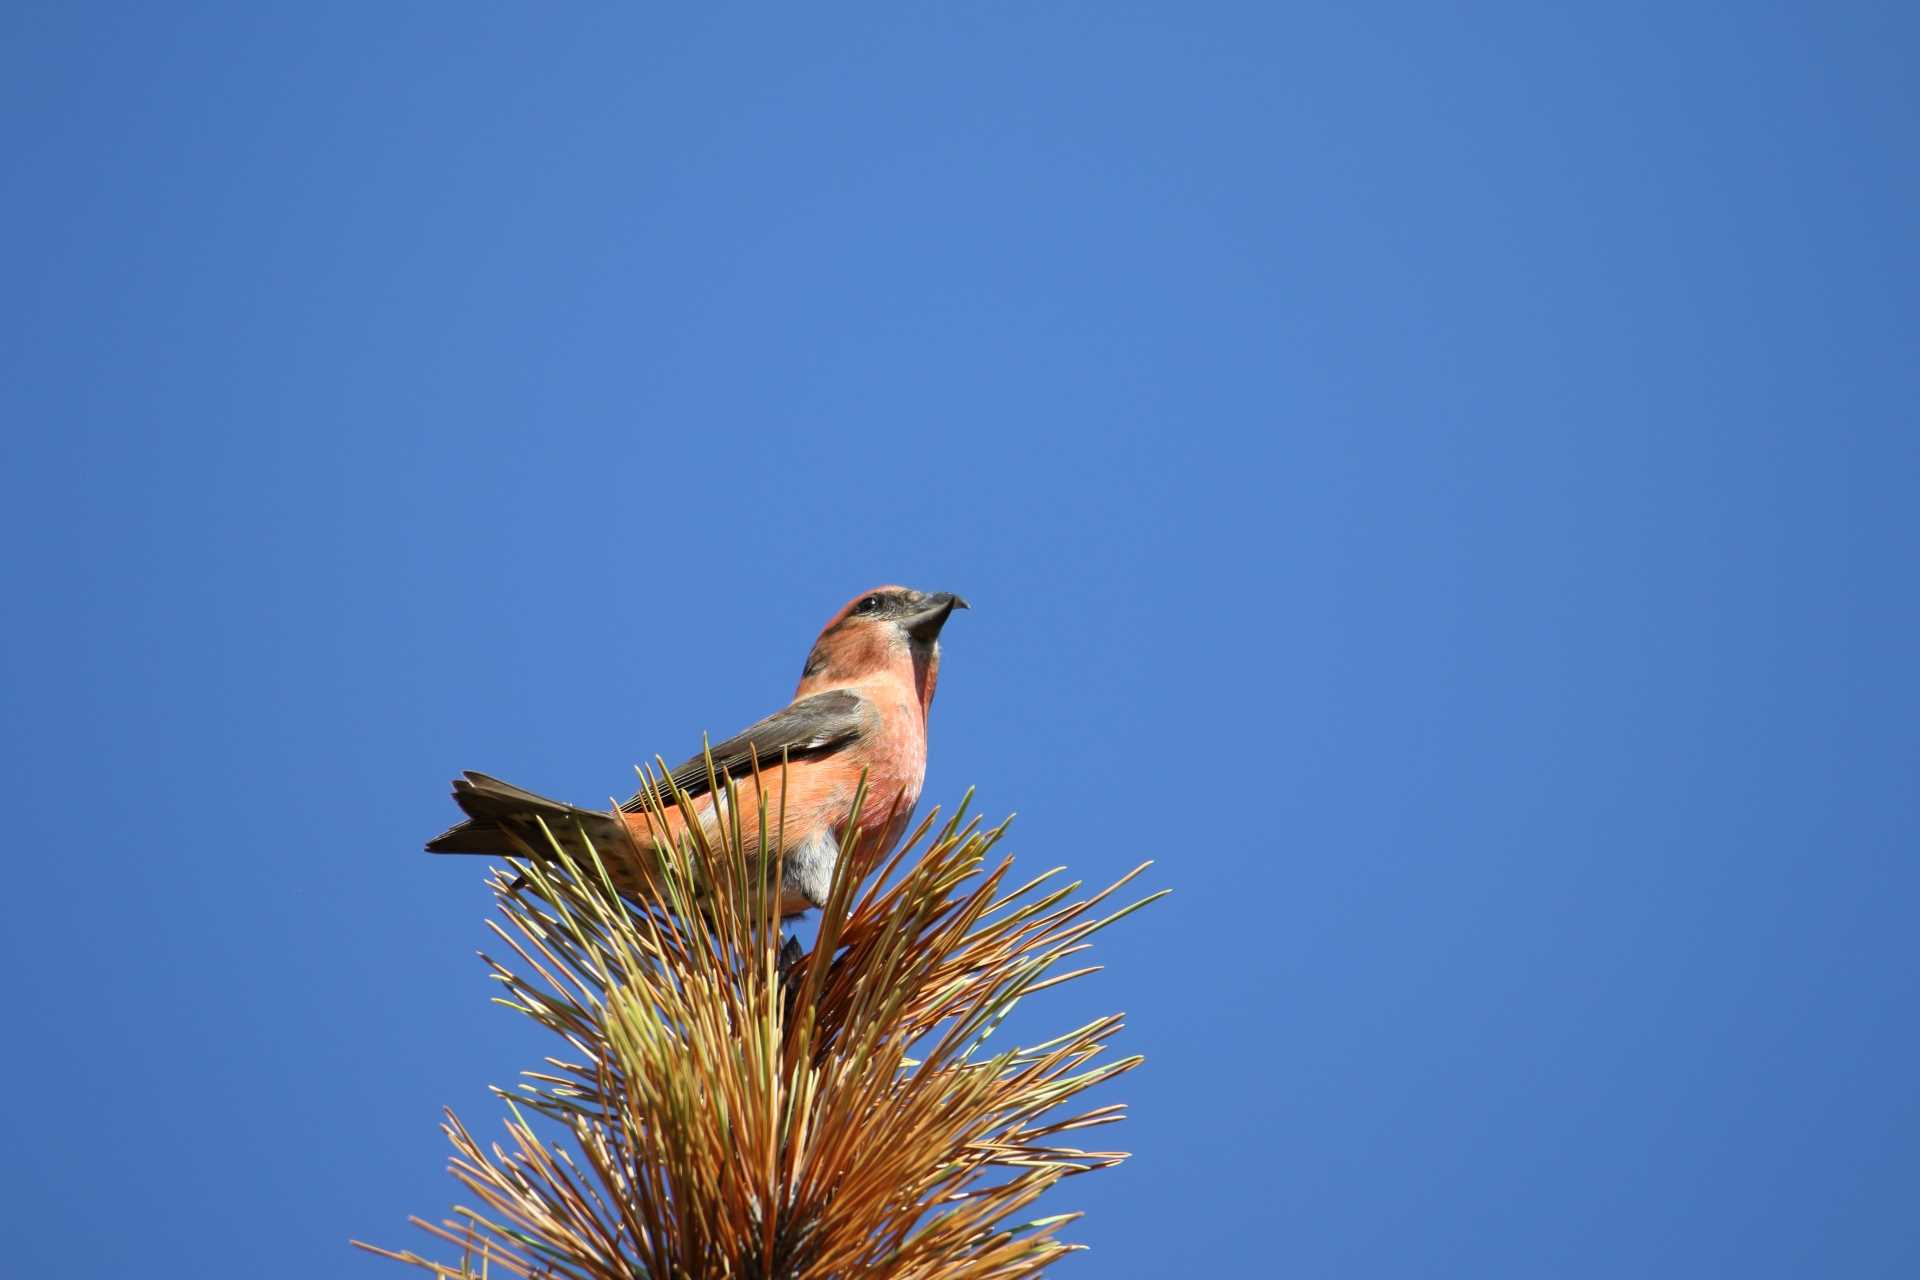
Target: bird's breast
896 763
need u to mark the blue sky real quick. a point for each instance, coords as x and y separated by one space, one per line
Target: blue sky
1439 480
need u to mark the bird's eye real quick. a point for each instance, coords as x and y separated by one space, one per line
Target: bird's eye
870 605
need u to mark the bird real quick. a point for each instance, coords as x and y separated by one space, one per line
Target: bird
860 709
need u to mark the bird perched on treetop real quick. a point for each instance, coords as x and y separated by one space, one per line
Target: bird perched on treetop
861 705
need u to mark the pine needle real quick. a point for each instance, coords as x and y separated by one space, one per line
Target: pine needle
718 1114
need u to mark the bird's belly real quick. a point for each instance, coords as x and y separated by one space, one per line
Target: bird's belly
808 799
796 808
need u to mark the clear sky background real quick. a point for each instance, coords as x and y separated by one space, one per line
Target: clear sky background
1440 480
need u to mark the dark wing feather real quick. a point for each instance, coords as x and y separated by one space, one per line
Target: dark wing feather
813 726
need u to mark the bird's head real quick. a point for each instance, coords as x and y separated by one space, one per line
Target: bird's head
886 630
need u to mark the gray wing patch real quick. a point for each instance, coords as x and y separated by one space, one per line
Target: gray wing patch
812 726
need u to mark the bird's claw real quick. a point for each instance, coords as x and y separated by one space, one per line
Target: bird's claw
789 959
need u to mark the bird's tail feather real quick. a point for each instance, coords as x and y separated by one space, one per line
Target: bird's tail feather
498 812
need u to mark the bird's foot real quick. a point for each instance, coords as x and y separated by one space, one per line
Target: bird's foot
788 961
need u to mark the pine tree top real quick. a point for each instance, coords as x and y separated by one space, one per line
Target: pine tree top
725 1106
